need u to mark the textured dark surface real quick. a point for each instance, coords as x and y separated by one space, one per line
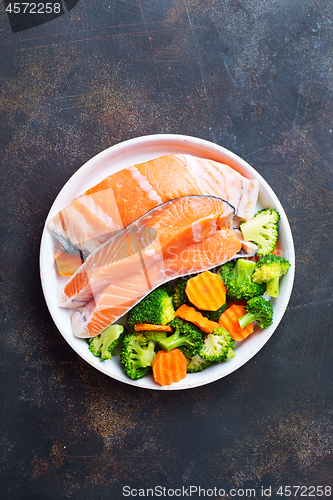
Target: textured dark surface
254 77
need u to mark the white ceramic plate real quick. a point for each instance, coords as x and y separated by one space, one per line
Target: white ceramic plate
136 151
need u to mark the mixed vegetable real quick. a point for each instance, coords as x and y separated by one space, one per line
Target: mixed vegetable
186 326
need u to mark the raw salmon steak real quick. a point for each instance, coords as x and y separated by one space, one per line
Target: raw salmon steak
115 301
120 199
121 295
222 246
153 238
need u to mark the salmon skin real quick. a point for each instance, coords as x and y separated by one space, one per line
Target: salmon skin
153 238
121 295
121 198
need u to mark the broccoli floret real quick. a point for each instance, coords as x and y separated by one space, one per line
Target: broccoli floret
137 354
186 336
215 315
218 346
156 308
105 344
237 280
179 296
227 272
155 335
257 309
197 364
262 230
268 270
270 267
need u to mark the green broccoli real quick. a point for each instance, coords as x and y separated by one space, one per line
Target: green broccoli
197 364
268 270
218 346
105 343
137 353
186 336
262 230
227 271
154 335
244 269
257 309
156 308
179 296
237 280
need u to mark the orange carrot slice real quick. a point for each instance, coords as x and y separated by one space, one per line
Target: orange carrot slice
237 302
139 327
190 314
169 367
229 320
67 264
206 291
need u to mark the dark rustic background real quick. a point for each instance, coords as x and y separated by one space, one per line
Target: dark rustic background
252 76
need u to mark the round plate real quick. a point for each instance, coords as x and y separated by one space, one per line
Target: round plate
135 151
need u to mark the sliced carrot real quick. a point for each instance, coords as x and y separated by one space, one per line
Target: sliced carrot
190 314
139 327
237 302
67 264
229 320
206 291
169 367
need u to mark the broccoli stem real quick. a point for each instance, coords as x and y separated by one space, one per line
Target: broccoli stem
246 319
244 269
145 355
175 340
272 287
230 354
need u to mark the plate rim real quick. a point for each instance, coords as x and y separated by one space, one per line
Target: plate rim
159 140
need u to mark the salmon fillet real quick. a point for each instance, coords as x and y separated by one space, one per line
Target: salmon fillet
213 251
121 295
155 237
115 301
120 199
